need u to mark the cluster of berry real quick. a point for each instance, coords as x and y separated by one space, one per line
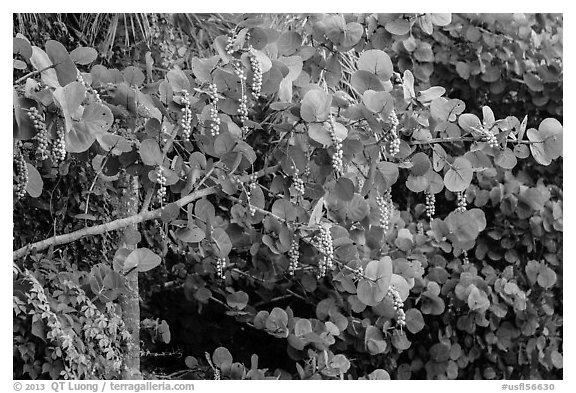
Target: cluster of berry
326 248
465 259
59 146
398 306
161 179
41 135
337 163
294 254
89 88
461 198
430 204
251 187
230 43
394 140
186 119
22 172
213 93
385 207
489 137
220 265
298 182
257 72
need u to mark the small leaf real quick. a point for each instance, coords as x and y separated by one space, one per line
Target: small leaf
150 152
83 55
399 26
379 374
377 62
222 242
143 259
477 300
344 189
378 102
302 327
35 183
363 80
315 106
468 122
222 357
178 80
414 320
459 176
64 66
320 134
237 300
190 235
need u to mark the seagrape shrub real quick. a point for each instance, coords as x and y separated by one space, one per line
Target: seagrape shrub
312 166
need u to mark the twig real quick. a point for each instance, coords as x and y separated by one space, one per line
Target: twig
124 222
109 226
28 75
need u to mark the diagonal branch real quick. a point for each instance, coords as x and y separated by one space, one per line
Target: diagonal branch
124 222
109 226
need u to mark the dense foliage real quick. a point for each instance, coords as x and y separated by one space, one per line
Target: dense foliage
311 199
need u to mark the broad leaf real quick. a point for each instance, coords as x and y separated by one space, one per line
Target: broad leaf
459 176
142 259
376 62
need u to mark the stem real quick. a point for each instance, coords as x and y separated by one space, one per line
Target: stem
124 222
28 75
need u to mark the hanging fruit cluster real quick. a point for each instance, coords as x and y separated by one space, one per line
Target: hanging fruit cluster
21 172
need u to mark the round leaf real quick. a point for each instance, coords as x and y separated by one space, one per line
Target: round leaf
35 182
414 320
459 176
315 106
377 62
363 80
344 189
150 152
65 68
221 241
237 300
378 102
142 259
222 357
83 55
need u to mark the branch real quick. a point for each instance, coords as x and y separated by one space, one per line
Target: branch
28 75
110 226
124 222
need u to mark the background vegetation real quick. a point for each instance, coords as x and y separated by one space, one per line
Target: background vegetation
313 196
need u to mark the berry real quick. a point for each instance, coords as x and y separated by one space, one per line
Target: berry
161 180
220 265
337 163
186 119
256 67
326 248
251 186
294 255
461 198
430 204
59 146
398 305
213 93
298 183
385 207
230 44
394 140
21 172
465 259
41 135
